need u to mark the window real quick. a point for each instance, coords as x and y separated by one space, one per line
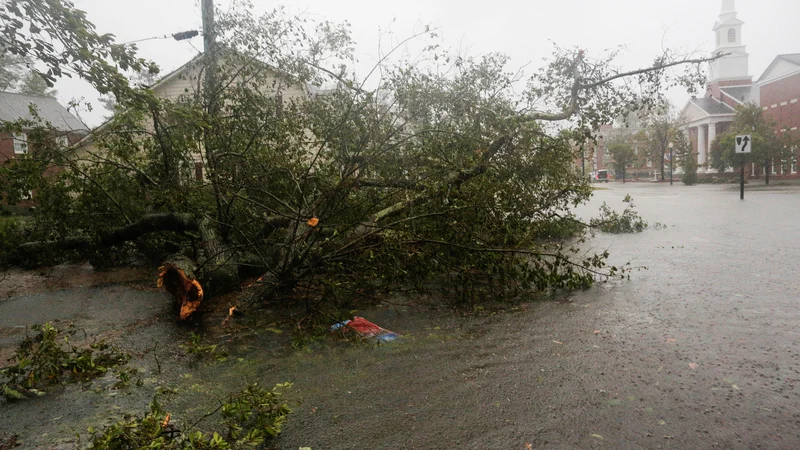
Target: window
774 168
62 141
649 163
198 171
793 167
731 35
20 143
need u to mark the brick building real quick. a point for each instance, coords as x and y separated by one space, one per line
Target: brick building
595 156
730 85
67 129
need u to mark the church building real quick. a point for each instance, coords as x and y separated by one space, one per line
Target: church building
730 85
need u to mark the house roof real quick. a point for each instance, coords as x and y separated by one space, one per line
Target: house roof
175 72
712 106
15 107
740 94
792 58
312 91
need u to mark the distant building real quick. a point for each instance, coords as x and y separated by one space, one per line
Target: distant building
597 157
730 85
186 82
14 107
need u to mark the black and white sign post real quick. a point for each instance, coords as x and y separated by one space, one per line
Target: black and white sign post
743 145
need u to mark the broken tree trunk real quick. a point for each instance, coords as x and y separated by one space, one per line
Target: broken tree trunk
178 278
214 272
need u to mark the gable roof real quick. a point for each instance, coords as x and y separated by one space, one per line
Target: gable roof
311 90
712 106
740 94
15 107
791 58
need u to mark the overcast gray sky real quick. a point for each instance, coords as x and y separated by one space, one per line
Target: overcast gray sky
522 29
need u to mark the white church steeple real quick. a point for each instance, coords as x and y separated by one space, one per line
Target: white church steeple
728 39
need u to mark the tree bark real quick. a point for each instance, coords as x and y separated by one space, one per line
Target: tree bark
147 224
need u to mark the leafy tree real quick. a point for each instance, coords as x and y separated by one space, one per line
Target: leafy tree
15 76
11 70
683 153
767 146
660 128
441 178
624 155
33 84
60 37
143 78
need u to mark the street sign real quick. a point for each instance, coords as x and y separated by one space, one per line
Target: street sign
744 144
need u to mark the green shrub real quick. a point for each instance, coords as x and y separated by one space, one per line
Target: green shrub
611 221
195 347
42 360
252 417
10 238
689 172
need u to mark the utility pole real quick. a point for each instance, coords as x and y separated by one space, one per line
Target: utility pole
209 97
209 49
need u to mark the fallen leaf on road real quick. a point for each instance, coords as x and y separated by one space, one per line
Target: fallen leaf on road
529 446
596 331
693 365
671 339
735 387
598 437
559 342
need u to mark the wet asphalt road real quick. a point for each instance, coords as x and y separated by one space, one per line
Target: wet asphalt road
701 350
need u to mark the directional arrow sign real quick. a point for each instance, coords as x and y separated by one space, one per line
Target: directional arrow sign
744 143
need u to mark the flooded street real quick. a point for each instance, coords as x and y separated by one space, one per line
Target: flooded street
700 350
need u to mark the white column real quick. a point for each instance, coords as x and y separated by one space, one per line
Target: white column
702 144
712 134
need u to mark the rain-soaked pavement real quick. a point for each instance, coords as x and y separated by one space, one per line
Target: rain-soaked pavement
701 350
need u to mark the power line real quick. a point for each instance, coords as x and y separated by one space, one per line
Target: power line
179 36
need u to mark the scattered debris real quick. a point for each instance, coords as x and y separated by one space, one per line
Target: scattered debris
9 442
50 357
366 329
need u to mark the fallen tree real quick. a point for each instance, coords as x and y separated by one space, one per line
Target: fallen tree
435 180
